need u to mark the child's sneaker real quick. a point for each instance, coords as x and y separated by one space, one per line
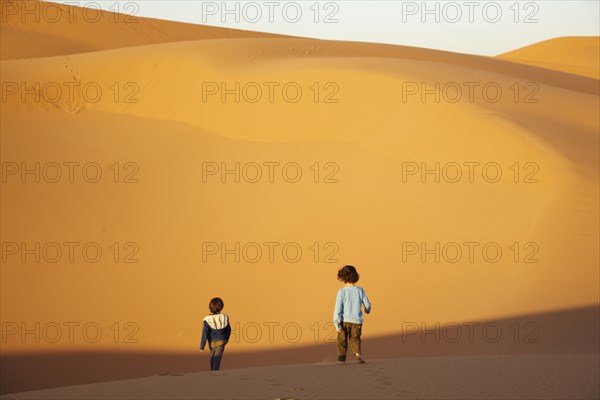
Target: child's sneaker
359 359
341 363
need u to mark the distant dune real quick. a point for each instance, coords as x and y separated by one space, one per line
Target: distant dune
251 166
576 55
32 29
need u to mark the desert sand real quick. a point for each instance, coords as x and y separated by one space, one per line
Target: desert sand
507 377
162 109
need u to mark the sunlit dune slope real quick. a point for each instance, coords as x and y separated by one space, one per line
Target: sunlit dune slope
362 113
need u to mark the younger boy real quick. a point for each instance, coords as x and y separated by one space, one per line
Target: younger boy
347 315
216 332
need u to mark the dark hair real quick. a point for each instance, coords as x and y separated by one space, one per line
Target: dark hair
348 274
216 305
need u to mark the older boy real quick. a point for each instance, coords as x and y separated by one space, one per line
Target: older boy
347 315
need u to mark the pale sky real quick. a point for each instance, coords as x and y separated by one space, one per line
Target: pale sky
475 27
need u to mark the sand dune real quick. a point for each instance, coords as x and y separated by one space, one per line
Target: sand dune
33 29
507 377
176 143
152 116
576 55
567 332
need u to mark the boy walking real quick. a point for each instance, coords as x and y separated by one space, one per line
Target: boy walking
347 315
216 331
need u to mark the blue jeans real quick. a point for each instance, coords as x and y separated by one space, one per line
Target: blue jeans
216 354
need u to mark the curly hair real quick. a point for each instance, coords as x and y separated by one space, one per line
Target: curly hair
216 305
348 274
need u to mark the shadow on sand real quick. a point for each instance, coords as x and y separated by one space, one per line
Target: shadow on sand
563 332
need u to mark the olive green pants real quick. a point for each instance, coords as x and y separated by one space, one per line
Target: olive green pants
350 332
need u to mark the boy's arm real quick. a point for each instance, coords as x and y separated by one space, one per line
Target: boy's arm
205 332
366 302
227 331
338 311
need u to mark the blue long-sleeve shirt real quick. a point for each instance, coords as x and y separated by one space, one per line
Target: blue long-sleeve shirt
348 305
215 331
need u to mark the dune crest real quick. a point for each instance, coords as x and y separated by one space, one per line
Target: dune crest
33 29
576 55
